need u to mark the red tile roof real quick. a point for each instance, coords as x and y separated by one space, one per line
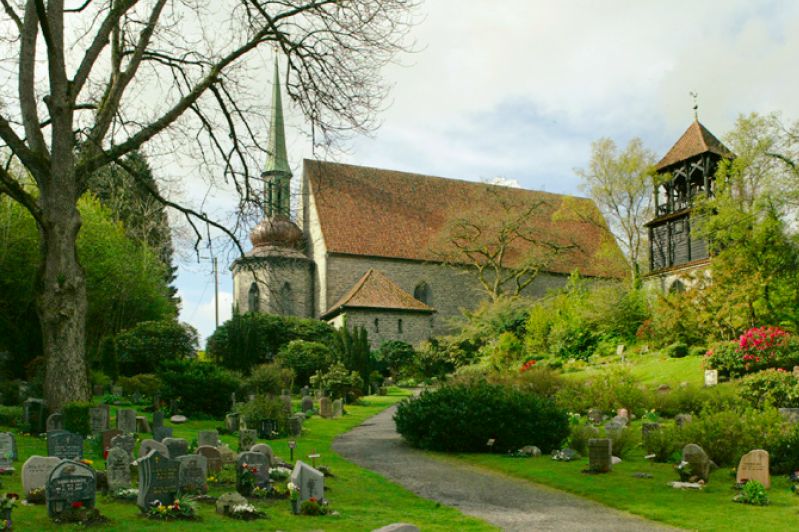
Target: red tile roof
375 291
385 213
695 141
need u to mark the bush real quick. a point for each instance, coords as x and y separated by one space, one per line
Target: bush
612 391
756 350
109 364
150 343
397 355
352 350
200 387
624 441
540 380
305 359
265 407
773 387
247 340
697 351
339 383
146 384
10 393
76 417
676 350
693 400
10 416
463 417
432 360
781 447
578 439
98 378
663 443
269 379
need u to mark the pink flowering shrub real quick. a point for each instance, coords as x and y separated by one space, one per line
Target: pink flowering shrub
756 350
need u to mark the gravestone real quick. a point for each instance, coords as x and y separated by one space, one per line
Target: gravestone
613 427
126 441
796 371
620 349
338 408
318 394
148 446
68 483
648 428
177 447
207 438
286 400
193 473
325 408
35 472
306 405
295 426
310 481
227 501
117 469
126 420
600 455
109 435
683 419
157 400
158 419
711 377
65 445
256 463
117 390
232 422
624 413
142 425
594 416
265 450
213 457
8 450
98 418
754 466
161 433
304 391
621 420
107 409
233 401
791 414
266 428
227 454
158 480
383 391
55 422
34 413
247 438
699 461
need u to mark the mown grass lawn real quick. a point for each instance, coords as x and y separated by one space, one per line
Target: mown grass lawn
366 501
710 510
652 370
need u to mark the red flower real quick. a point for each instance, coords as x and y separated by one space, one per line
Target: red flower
77 505
312 499
12 495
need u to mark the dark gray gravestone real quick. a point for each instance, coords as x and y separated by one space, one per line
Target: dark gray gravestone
136 398
55 422
267 429
126 441
193 473
99 420
8 450
213 458
600 455
65 445
70 482
109 435
247 438
158 480
310 481
126 420
295 426
34 413
257 464
306 405
117 468
699 461
208 437
161 433
158 420
177 447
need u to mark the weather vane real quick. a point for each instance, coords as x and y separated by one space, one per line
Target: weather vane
696 105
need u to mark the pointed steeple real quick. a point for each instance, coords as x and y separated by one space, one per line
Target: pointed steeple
277 172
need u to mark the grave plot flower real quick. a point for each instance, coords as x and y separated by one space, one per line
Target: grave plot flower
314 507
246 512
36 496
752 492
125 494
183 509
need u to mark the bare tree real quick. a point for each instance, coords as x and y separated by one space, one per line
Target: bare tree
89 83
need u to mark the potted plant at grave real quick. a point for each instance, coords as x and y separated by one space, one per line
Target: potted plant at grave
294 495
35 497
246 512
184 509
80 514
314 507
247 479
7 503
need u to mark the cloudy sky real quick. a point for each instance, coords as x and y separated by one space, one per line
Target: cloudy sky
520 88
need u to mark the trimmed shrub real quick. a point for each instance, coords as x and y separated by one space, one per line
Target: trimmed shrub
200 387
693 400
578 439
305 359
145 384
432 360
463 417
150 343
339 383
246 340
397 355
777 388
265 407
612 391
782 446
76 417
270 379
664 443
10 416
756 350
676 350
352 350
624 442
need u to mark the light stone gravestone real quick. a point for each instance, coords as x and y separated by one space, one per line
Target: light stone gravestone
338 409
625 414
796 371
142 425
620 349
65 445
258 464
193 473
325 408
98 418
109 435
265 450
711 377
318 394
286 400
306 405
213 457
208 438
8 450
126 420
158 420
126 441
68 483
310 481
304 391
699 461
117 469
232 422
55 422
162 433
227 454
247 438
177 447
35 472
614 427
158 480
754 465
148 446
600 455
683 419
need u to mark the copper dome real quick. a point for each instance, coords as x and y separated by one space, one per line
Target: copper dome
276 231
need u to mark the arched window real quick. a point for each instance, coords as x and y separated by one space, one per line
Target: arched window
677 287
286 300
399 326
423 293
377 325
254 298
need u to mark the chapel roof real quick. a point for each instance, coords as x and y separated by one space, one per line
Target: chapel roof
695 141
376 291
390 214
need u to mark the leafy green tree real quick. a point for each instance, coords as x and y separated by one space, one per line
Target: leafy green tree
143 348
108 357
397 355
352 350
305 358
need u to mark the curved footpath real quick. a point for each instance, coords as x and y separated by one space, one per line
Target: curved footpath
511 504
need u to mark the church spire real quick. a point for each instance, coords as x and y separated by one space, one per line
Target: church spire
277 172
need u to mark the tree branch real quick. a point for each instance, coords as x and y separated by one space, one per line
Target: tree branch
12 14
11 186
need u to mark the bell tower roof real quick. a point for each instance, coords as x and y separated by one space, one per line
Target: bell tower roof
695 141
277 159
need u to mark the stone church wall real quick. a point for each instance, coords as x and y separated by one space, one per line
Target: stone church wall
383 325
271 279
308 222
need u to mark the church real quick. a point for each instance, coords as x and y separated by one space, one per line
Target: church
386 250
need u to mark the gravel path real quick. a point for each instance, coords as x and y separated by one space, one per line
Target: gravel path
508 503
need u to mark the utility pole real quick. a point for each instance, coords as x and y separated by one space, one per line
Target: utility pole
216 291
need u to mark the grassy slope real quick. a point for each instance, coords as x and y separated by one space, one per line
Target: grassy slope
365 500
653 370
